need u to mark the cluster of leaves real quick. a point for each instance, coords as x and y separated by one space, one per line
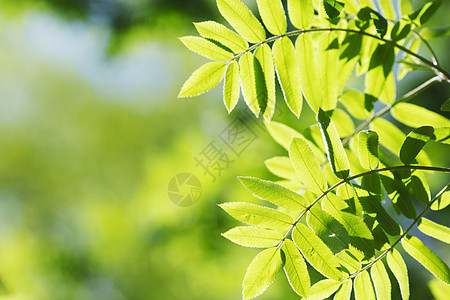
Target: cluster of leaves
330 211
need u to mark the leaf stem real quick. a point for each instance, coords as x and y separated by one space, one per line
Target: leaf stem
387 108
441 72
385 252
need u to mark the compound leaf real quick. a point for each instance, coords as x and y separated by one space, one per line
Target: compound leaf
380 71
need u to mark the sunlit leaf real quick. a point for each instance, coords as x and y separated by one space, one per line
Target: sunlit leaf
217 32
442 202
442 135
381 281
323 289
316 252
296 269
343 122
282 167
248 82
333 8
306 166
345 292
301 13
398 267
439 289
272 14
414 143
253 237
415 116
206 48
203 79
363 287
380 70
328 68
275 193
261 272
422 15
259 216
264 56
288 73
309 76
433 263
368 149
335 150
231 86
347 260
400 30
354 102
388 9
242 20
328 229
434 230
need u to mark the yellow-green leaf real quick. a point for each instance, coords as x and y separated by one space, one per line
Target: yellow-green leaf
368 149
231 86
253 237
316 252
415 116
259 216
380 72
203 79
219 33
442 202
381 281
281 166
301 13
288 73
343 122
398 267
323 289
295 269
427 258
248 82
388 9
306 166
345 291
264 55
348 261
364 287
328 68
414 143
261 272
434 230
206 48
242 20
272 14
354 103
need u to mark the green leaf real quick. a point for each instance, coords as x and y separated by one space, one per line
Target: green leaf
368 149
380 71
439 289
442 202
323 289
349 55
203 79
368 47
306 166
422 15
354 103
415 116
381 281
434 230
264 56
242 20
281 166
406 7
442 135
345 292
261 272
288 73
414 143
388 9
446 105
380 23
275 193
206 48
262 95
231 86
343 122
217 32
333 8
316 252
398 267
418 185
301 13
363 287
248 82
328 68
335 150
433 263
328 229
348 261
400 30
272 14
309 76
259 216
253 237
296 269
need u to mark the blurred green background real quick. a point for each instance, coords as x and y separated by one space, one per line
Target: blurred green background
91 133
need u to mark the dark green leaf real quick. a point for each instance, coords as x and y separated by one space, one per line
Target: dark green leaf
414 143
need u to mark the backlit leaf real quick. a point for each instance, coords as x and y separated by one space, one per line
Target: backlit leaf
264 56
323 289
296 269
414 143
217 32
272 14
242 20
203 79
434 230
288 73
261 272
354 102
328 229
363 287
368 149
259 216
347 260
345 292
306 166
380 70
442 202
316 252
343 122
301 13
253 237
248 82
206 48
415 116
388 9
231 86
282 167
398 267
328 68
381 281
433 263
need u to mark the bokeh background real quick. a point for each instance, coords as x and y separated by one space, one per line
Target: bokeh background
92 132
